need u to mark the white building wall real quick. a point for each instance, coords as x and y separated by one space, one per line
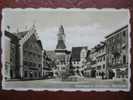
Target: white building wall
6 52
101 61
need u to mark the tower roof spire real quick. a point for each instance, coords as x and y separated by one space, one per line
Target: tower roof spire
61 29
61 38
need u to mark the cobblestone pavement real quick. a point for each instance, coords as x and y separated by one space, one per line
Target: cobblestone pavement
58 84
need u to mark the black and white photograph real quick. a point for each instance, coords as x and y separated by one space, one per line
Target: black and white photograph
66 49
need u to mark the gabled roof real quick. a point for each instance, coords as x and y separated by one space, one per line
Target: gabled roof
76 53
21 34
40 44
116 31
12 36
60 45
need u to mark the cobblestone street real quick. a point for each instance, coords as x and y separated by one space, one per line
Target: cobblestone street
58 84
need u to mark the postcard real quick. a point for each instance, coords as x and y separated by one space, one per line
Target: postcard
66 49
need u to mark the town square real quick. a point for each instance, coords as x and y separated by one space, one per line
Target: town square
66 49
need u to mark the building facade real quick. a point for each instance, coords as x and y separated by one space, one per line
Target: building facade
49 68
25 51
30 54
62 54
78 59
11 56
93 63
96 63
117 53
101 60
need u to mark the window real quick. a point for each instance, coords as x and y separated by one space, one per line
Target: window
97 73
33 54
11 59
103 66
39 74
38 56
25 73
100 59
124 59
103 58
118 36
25 63
35 74
98 67
31 75
34 65
30 63
25 53
124 33
39 65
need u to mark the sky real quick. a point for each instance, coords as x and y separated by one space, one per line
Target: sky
83 27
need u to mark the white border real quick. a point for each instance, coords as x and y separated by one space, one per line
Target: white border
68 89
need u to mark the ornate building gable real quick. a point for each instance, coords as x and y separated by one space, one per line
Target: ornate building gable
29 38
33 44
24 36
77 54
